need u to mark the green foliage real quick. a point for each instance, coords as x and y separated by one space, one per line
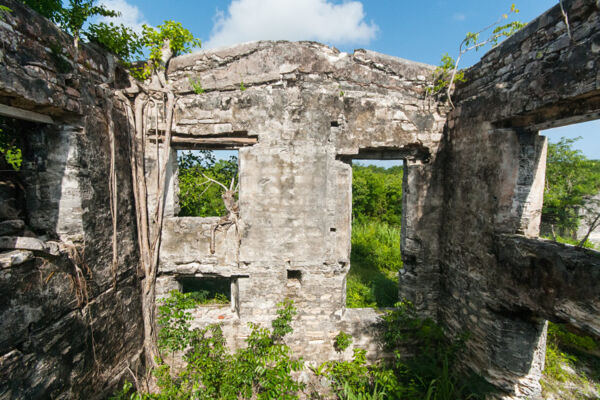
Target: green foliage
180 40
196 85
262 370
282 324
3 10
375 263
198 196
10 147
342 341
78 12
375 257
430 372
572 367
570 179
377 194
118 39
50 9
12 154
448 73
174 320
242 86
443 74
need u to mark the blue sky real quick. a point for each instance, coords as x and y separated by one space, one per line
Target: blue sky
415 30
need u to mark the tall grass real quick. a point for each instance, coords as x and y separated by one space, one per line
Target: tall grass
374 265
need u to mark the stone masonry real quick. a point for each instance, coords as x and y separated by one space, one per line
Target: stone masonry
298 113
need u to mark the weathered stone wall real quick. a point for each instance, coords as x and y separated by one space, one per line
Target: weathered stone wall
54 342
312 109
495 166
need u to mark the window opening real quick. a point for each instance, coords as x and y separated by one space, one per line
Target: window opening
375 258
200 175
23 182
571 210
294 275
207 290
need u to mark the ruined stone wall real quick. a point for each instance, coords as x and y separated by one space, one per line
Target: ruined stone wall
55 342
500 290
311 109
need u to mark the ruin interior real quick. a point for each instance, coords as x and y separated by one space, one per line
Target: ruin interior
473 187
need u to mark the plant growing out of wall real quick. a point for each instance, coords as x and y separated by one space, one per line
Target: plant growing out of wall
342 341
448 73
261 370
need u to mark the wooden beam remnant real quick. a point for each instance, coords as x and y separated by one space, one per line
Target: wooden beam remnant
18 113
216 141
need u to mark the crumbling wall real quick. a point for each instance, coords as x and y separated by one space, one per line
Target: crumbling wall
65 334
310 109
501 290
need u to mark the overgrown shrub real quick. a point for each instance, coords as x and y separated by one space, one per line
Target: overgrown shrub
262 370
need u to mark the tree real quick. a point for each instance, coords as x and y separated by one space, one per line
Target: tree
571 179
199 196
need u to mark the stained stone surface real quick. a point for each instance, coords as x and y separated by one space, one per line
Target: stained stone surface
53 343
299 113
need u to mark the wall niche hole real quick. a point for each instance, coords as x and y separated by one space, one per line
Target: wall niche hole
293 274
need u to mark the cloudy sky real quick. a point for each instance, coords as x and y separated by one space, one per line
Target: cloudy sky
416 30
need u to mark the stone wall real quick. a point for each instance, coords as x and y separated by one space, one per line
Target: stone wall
495 166
311 109
61 339
298 113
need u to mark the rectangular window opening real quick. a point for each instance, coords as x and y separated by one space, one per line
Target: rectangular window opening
207 290
571 208
375 259
203 177
294 275
26 191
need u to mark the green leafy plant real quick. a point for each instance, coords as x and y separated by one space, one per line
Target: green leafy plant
242 86
199 196
570 180
196 85
118 39
448 73
180 40
50 9
3 10
73 17
342 341
262 370
10 147
282 324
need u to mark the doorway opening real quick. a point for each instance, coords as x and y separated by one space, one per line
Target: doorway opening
375 258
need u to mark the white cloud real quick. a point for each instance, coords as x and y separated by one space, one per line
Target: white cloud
320 20
459 16
131 15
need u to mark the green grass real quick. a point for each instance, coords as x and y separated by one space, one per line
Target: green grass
572 368
374 264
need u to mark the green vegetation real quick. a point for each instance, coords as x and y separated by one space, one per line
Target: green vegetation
263 369
571 179
196 86
10 143
199 196
572 368
342 341
118 39
448 73
428 373
375 258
